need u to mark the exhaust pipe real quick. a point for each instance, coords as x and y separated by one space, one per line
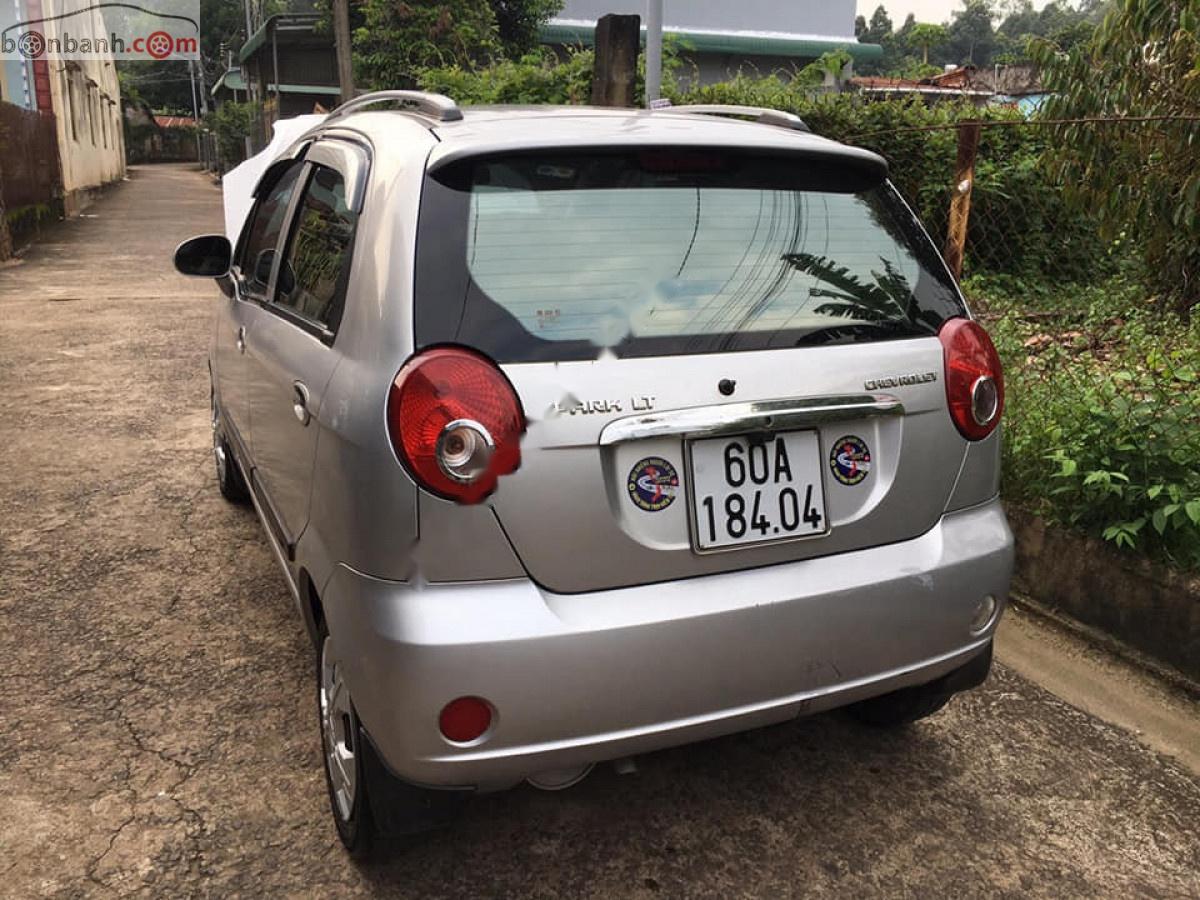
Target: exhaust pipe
560 779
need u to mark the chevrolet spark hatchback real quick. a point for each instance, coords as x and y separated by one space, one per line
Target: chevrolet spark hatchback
581 433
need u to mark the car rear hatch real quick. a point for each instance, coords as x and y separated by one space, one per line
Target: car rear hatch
727 359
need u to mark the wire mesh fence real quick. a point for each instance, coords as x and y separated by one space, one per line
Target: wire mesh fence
1016 216
1102 421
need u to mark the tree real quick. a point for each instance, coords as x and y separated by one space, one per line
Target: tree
879 27
395 40
926 35
1021 19
1058 22
223 25
972 38
230 123
165 86
398 39
519 21
898 60
1140 178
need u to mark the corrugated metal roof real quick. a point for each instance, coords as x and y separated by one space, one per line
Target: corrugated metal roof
231 79
174 121
957 81
304 23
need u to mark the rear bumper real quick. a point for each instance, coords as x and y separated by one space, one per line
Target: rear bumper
586 677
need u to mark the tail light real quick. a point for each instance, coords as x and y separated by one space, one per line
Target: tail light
455 423
974 380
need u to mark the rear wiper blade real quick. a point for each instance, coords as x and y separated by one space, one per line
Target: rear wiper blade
859 331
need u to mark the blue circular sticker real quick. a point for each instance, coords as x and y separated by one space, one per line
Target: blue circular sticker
652 483
850 459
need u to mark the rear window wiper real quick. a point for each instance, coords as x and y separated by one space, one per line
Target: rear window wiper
859 331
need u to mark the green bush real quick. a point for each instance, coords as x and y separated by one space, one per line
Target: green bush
1103 405
230 123
536 78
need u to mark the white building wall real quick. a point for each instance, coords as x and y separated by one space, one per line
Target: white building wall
824 18
86 98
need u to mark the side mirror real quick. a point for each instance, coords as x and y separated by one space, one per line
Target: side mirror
207 256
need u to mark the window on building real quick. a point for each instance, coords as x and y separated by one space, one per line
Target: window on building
68 93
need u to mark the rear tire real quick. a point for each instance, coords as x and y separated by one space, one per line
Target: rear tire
900 707
912 703
369 803
343 747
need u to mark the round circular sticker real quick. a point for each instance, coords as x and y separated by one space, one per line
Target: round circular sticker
652 483
850 459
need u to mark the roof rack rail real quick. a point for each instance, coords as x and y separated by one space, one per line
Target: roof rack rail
761 114
434 106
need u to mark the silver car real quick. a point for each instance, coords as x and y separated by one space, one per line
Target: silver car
579 433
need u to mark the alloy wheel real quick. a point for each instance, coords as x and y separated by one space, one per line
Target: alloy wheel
337 733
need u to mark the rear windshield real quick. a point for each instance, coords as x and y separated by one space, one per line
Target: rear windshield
564 256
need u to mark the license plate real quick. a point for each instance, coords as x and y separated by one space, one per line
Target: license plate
755 491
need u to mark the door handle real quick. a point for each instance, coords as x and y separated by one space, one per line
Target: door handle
300 402
241 339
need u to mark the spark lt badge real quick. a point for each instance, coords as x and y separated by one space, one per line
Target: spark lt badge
899 380
587 407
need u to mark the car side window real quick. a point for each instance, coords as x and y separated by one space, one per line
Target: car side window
257 248
312 280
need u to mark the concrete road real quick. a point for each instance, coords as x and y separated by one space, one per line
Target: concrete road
157 731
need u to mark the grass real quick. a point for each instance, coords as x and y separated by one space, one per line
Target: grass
1102 423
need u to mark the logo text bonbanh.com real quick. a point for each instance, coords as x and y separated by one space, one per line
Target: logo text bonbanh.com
157 45
101 29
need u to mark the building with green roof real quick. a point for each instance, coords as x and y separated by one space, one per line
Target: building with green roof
718 39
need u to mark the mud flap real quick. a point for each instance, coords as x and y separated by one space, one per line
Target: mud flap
402 808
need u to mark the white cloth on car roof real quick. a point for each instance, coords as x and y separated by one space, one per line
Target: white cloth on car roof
238 183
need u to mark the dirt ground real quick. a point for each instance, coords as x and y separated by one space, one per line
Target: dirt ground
158 726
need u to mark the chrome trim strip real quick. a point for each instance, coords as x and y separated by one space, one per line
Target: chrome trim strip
276 549
739 418
266 510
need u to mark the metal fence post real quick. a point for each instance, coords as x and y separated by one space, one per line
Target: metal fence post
654 28
960 201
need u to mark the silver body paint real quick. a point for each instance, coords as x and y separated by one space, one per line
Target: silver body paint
592 627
